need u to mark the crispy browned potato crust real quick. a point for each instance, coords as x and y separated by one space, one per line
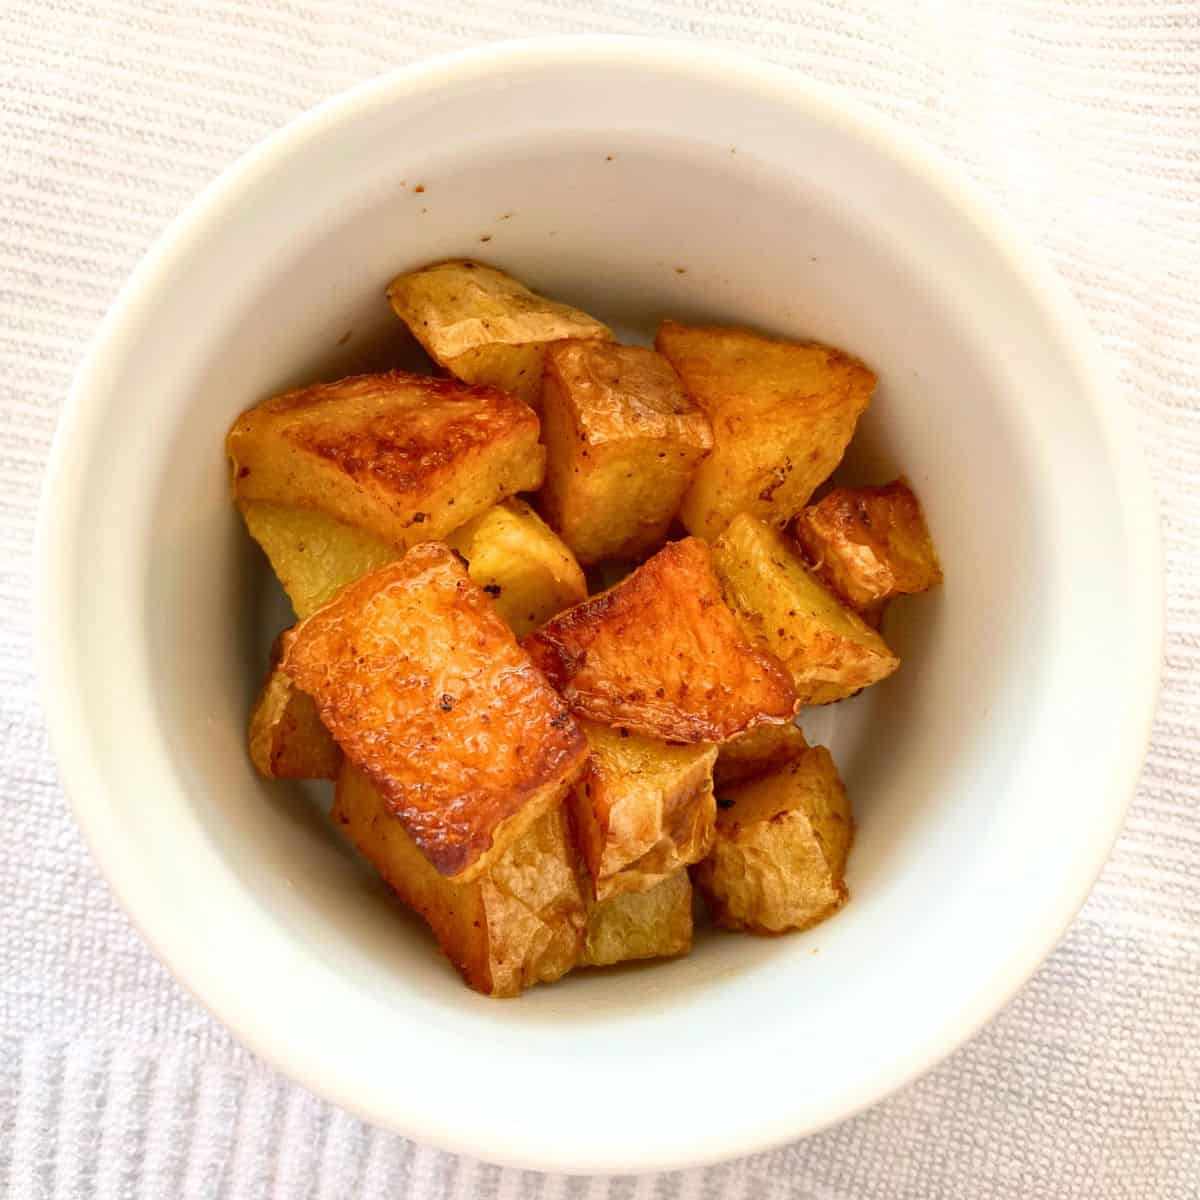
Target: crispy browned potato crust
652 924
313 554
782 414
642 809
405 457
661 655
521 563
287 739
623 442
520 923
758 751
831 652
485 327
779 858
869 544
427 692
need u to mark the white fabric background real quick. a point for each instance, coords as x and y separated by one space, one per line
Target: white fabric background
1081 118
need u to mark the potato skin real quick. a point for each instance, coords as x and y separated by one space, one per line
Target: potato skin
484 326
651 924
782 414
427 692
623 442
661 655
829 650
286 737
779 858
757 752
521 563
641 809
520 923
869 545
405 457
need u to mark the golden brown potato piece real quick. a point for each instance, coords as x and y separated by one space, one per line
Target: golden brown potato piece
869 544
313 554
404 457
779 859
642 809
518 924
427 692
485 327
661 655
782 414
623 442
287 739
653 924
521 563
757 752
831 652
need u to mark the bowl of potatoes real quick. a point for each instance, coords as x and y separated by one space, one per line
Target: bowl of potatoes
589 563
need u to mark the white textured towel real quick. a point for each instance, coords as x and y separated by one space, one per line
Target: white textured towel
1081 117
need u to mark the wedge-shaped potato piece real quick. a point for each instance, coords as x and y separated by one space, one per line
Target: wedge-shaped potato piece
782 414
653 924
313 554
869 544
659 654
757 752
520 923
779 859
287 739
485 327
831 652
404 457
623 442
521 563
426 691
642 809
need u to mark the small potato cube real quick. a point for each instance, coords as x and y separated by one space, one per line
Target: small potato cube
485 327
779 858
642 809
757 752
782 414
831 652
313 554
518 924
869 544
521 563
404 457
427 692
659 654
653 924
623 442
287 739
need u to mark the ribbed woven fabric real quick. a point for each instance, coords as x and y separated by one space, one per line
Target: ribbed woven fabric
1081 118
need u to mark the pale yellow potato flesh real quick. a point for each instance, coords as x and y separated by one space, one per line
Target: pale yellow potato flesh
757 751
287 739
652 924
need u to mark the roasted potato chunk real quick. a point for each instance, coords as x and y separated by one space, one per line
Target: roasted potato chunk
779 858
287 739
404 457
782 414
831 652
757 752
659 654
642 809
485 327
428 693
623 442
868 545
520 923
313 554
653 924
521 563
